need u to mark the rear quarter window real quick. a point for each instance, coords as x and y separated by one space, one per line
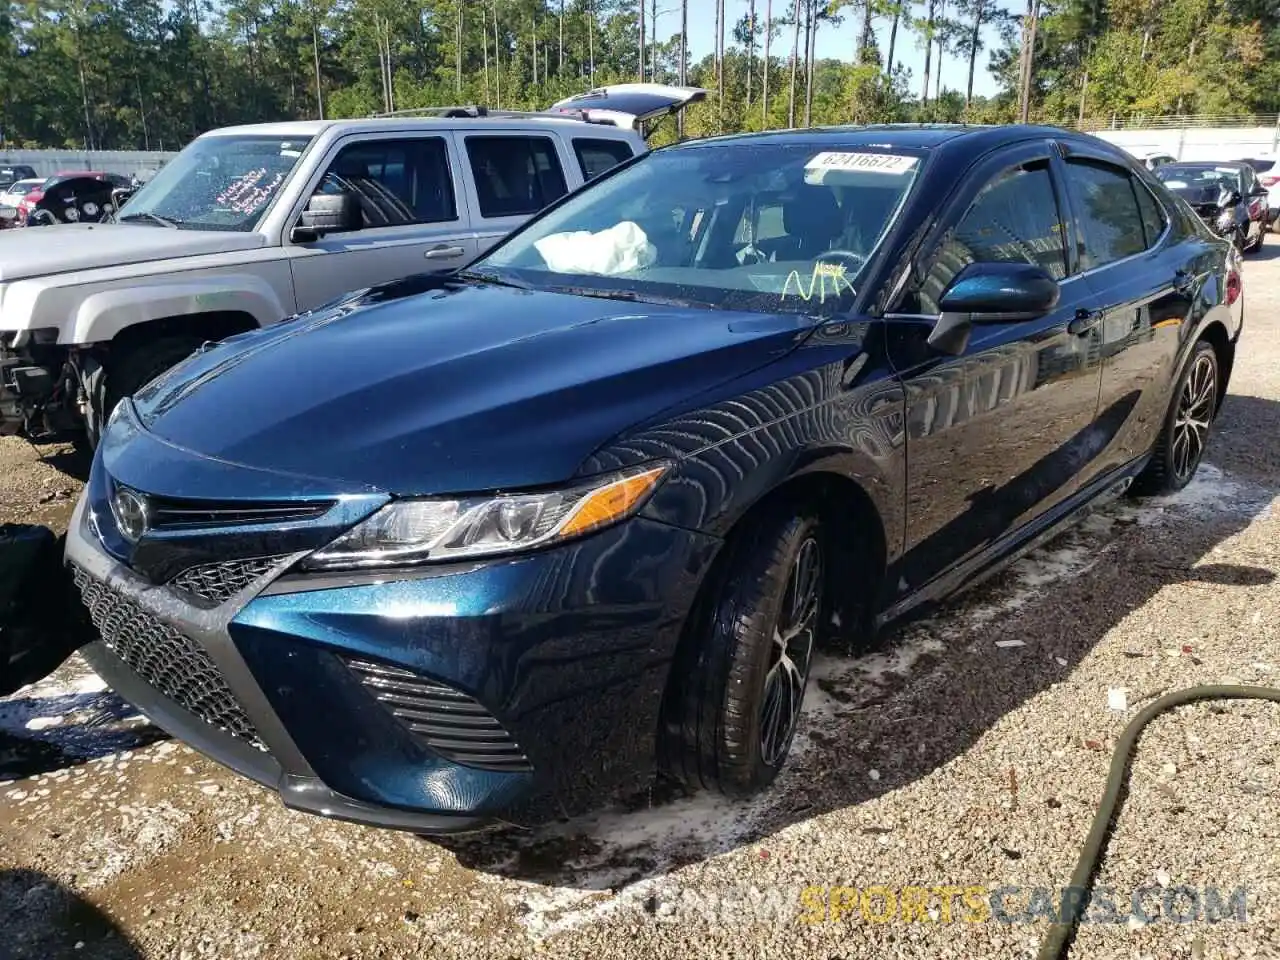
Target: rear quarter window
597 156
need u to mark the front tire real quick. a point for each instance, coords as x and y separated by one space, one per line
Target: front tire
125 373
1185 433
738 687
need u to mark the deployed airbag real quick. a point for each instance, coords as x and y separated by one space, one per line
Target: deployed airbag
621 248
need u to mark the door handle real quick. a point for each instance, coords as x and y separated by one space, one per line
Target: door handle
444 253
1084 321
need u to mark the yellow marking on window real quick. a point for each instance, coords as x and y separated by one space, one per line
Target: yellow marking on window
822 273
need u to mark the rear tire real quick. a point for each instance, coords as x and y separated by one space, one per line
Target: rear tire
125 373
736 691
1185 432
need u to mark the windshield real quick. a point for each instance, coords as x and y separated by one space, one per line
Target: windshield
217 183
761 227
1199 177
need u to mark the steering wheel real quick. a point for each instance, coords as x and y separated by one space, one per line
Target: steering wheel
750 255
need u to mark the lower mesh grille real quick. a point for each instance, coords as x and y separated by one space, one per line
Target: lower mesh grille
172 663
219 582
446 720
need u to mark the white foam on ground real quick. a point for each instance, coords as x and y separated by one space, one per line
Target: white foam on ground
1078 549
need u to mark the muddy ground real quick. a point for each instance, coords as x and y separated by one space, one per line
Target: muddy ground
967 751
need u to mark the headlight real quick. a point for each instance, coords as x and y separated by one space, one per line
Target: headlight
428 531
1226 220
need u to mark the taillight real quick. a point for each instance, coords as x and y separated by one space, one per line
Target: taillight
1234 286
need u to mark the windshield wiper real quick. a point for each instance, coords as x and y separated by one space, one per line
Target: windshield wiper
153 217
630 296
486 276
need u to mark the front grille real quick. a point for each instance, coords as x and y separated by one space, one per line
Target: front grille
173 663
446 720
218 582
170 512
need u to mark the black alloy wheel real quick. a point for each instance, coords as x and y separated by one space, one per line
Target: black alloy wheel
736 690
794 639
1185 433
1196 403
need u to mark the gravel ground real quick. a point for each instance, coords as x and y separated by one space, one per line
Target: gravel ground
966 752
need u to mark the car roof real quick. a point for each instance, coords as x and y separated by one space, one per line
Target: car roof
313 128
912 136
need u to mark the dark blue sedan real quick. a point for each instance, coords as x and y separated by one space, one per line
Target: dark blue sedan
499 545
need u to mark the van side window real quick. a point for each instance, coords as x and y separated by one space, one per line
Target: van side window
597 156
397 182
515 175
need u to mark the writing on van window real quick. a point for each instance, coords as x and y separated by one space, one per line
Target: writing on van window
247 192
824 275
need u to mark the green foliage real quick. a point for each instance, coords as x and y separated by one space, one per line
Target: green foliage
119 74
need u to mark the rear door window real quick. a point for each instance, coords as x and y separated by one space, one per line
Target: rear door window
1111 222
597 156
515 175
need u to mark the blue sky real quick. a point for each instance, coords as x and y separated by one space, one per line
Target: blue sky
836 42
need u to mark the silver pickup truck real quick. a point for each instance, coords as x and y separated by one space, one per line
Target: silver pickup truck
249 225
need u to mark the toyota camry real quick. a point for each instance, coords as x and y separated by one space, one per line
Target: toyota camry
499 545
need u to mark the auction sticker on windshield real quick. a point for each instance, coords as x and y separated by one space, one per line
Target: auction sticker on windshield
891 163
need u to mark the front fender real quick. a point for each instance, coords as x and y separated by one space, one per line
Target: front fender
102 315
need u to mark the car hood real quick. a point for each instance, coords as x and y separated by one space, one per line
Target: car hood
1211 196
42 251
455 389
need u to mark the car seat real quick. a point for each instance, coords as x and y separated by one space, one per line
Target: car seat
813 223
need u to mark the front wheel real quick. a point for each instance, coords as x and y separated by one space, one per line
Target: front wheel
736 695
1185 433
127 371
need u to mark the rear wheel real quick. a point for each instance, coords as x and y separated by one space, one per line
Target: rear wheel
127 371
734 704
1185 433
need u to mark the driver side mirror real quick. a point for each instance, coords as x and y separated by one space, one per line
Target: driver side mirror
328 213
991 293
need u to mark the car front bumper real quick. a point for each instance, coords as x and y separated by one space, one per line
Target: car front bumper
561 657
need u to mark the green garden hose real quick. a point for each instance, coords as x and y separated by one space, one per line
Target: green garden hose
1058 939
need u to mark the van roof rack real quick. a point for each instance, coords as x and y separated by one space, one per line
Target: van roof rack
477 111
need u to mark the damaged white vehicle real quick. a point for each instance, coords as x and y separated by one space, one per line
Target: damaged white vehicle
249 225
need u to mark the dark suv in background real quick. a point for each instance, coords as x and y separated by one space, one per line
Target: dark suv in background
12 173
498 544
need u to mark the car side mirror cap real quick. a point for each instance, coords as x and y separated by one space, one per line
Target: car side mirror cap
328 213
991 293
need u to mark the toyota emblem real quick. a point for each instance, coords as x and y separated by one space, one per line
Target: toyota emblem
131 512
